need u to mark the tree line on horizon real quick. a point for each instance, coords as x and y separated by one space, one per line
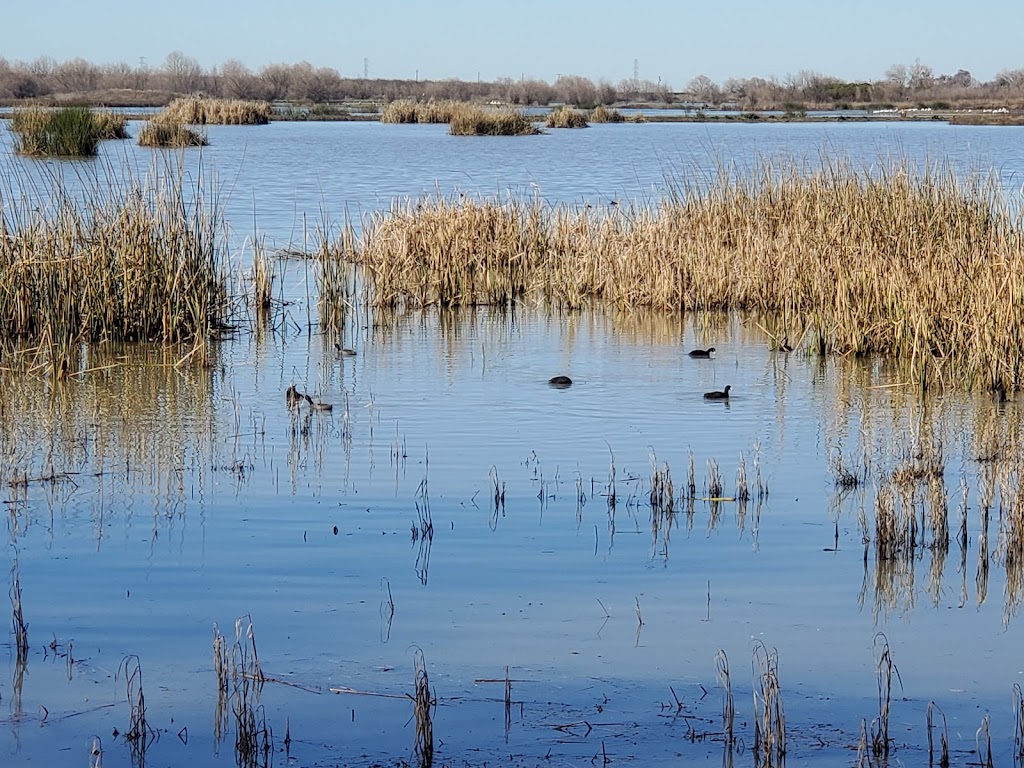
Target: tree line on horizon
114 84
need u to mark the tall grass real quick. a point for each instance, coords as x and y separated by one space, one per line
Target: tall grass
918 265
163 132
409 111
566 117
603 114
204 111
139 262
64 132
472 120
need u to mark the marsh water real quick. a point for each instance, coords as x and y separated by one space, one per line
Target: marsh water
453 504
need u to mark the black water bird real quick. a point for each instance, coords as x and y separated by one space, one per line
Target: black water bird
560 382
723 395
703 354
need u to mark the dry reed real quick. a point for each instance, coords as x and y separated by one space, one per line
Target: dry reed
565 117
168 134
473 120
139 262
140 733
880 741
943 737
424 702
205 111
918 265
983 742
603 114
728 704
1018 720
409 111
769 713
64 132
18 624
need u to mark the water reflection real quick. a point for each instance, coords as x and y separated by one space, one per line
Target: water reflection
912 499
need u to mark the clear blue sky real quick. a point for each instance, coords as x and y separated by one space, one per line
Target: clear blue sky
671 39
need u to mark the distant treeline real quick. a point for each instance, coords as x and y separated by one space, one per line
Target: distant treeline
113 84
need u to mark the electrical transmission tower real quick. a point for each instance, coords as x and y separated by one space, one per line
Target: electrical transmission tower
636 69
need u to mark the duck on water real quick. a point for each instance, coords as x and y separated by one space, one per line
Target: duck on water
703 354
716 395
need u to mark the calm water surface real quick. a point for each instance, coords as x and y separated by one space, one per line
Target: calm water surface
163 500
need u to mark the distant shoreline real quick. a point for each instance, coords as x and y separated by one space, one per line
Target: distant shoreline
142 106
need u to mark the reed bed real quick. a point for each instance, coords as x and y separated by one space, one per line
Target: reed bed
170 134
566 117
409 111
204 111
914 264
603 114
143 262
64 132
111 126
473 120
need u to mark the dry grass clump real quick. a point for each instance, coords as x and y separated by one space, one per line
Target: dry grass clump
200 111
472 120
566 117
142 262
921 266
163 133
64 132
111 126
409 111
603 114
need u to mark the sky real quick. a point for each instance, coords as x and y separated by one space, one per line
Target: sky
670 40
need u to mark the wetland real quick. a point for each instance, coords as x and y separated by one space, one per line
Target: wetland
459 562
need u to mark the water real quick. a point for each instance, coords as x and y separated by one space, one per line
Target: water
162 500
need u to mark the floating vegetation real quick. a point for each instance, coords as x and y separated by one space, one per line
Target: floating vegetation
64 132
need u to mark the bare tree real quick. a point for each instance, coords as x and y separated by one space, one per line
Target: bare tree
277 80
238 82
76 76
920 76
1010 78
704 90
577 90
184 75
